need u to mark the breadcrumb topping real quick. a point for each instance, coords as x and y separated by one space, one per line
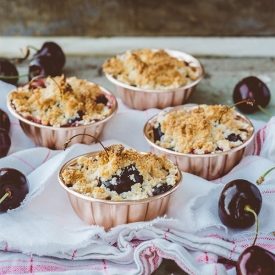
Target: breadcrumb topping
204 130
63 102
150 69
89 174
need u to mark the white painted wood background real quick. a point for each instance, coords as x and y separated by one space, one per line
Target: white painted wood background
198 46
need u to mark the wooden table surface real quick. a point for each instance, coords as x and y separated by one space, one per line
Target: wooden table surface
221 76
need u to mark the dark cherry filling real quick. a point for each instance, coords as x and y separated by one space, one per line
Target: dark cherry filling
125 181
157 190
36 83
73 122
36 120
157 133
101 99
233 137
238 118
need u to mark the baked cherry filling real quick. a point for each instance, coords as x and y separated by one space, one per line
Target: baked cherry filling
74 121
233 137
120 174
101 99
157 133
157 190
128 177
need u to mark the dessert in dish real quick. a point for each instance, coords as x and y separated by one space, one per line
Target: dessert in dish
206 129
122 174
151 69
61 102
156 80
204 142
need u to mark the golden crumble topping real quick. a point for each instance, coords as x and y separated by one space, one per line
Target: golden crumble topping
61 102
150 69
123 174
206 129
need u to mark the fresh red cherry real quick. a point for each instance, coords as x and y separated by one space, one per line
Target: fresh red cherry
4 121
5 142
251 88
8 72
13 188
53 50
43 65
256 260
49 60
234 199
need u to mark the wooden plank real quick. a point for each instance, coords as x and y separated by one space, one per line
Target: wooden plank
96 18
198 46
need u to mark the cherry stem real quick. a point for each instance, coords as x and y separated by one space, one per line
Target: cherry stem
264 111
7 194
248 208
66 144
261 178
13 76
39 76
36 77
247 101
32 47
21 59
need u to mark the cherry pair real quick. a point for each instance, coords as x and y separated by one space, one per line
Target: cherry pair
13 184
49 60
239 206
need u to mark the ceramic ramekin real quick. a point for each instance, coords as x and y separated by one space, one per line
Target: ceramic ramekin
109 213
142 99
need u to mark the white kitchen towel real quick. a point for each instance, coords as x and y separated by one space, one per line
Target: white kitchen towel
44 235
